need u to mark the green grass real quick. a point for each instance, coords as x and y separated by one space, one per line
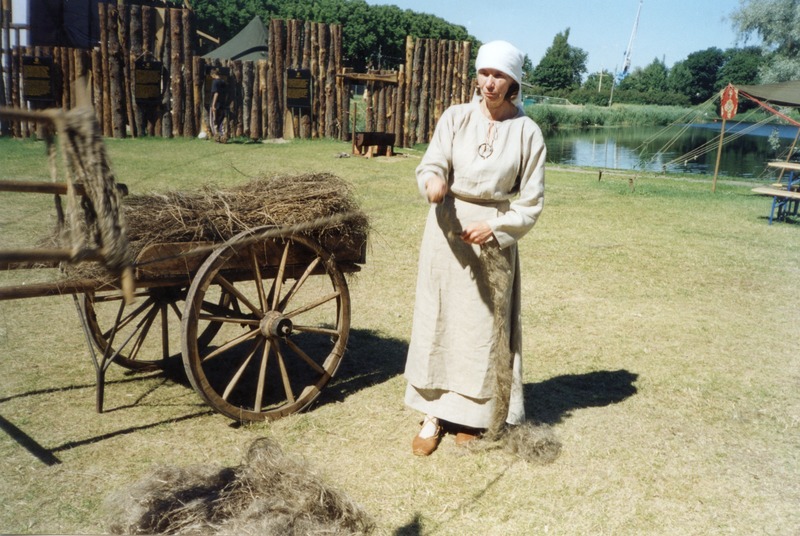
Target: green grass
660 341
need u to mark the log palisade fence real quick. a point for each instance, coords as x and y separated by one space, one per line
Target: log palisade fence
137 41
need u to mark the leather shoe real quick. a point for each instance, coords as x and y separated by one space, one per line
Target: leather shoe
466 436
424 446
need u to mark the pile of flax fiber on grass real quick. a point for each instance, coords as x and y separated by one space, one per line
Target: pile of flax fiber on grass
321 203
269 494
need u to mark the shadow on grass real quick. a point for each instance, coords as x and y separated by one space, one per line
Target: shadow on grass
370 359
550 401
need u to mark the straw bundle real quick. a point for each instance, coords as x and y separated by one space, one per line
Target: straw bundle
320 203
269 494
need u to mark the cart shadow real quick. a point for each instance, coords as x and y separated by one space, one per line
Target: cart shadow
370 359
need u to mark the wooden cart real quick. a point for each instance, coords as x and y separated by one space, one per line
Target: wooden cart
261 320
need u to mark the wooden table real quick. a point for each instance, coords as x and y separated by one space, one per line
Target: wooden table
785 199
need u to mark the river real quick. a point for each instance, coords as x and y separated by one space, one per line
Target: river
678 149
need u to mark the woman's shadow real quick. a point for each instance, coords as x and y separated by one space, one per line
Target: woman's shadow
372 359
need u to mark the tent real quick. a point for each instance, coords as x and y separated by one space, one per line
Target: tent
249 44
781 94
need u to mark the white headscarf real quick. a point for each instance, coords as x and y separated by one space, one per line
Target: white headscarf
503 56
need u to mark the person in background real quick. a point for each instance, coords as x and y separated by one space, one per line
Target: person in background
483 173
217 108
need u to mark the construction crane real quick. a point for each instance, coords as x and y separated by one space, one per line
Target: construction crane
626 58
626 63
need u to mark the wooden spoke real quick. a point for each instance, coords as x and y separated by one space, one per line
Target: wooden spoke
262 374
235 380
313 364
313 305
230 344
279 278
259 284
316 329
130 316
287 386
298 283
227 285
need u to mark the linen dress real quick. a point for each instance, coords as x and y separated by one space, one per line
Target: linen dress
448 367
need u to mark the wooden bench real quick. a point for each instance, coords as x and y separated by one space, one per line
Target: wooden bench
370 143
785 201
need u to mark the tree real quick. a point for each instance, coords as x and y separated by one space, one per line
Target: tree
651 79
562 65
777 24
703 68
741 67
372 35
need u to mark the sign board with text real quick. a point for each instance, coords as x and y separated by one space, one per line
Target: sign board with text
299 85
37 78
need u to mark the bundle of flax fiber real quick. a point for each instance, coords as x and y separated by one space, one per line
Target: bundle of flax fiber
269 494
321 204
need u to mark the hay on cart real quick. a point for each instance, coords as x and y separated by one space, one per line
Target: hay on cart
319 205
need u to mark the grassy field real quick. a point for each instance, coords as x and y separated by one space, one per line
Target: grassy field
661 332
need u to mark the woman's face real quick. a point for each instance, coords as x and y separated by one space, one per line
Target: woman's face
494 85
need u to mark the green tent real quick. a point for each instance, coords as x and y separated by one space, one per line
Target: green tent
781 94
250 44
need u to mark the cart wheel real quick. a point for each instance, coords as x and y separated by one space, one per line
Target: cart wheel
146 329
283 329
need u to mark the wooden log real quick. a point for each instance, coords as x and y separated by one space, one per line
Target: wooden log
343 93
235 99
314 66
415 90
448 75
271 127
399 107
97 84
148 30
263 78
198 79
68 78
116 74
105 120
247 96
125 44
424 103
175 65
165 117
280 72
188 36
467 88
330 85
136 29
255 107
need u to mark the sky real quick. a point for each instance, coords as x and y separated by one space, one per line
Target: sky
668 30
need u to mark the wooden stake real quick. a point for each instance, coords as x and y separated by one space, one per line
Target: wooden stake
719 156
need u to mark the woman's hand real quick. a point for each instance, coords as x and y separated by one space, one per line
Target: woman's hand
435 188
478 233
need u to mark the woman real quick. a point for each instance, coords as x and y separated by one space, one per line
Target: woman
483 173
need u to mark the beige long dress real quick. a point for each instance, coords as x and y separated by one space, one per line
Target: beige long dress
449 357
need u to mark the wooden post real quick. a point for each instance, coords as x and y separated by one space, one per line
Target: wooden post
125 58
165 117
175 66
97 80
188 35
719 156
263 79
116 74
424 100
247 96
105 118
